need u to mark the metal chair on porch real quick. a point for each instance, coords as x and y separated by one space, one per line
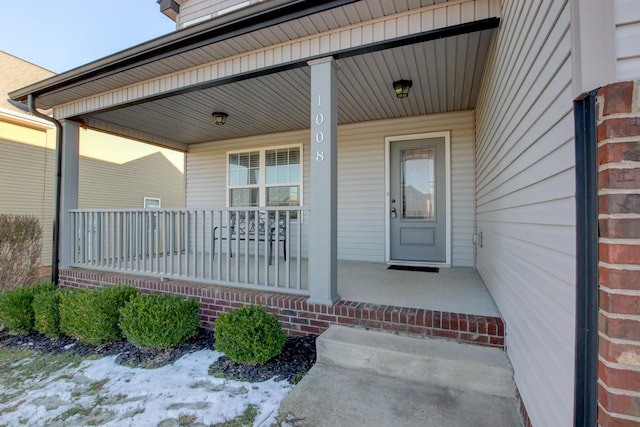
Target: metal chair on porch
244 227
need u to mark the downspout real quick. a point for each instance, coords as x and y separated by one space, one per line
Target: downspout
586 357
55 257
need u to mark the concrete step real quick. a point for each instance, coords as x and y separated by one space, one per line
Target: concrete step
434 361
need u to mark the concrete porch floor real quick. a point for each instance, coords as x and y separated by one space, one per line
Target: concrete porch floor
455 289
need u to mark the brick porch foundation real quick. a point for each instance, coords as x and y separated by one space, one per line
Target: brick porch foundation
298 317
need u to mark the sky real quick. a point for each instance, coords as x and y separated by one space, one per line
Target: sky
62 35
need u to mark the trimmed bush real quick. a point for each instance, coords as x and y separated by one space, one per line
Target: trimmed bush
20 246
16 310
47 313
249 335
159 321
92 317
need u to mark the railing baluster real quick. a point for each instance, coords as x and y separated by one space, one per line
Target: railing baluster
110 250
299 251
211 244
155 225
202 245
78 242
193 229
287 261
239 232
266 250
256 251
220 245
275 256
181 243
172 242
246 249
117 228
229 235
162 218
131 233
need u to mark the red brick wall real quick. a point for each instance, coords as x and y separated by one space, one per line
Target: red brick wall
298 317
619 252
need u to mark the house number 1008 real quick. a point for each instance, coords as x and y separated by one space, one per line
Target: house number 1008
319 137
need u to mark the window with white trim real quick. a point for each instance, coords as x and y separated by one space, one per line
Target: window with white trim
265 177
151 203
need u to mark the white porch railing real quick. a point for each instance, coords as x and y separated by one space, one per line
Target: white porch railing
249 247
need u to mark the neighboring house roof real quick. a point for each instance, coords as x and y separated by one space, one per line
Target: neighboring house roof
16 73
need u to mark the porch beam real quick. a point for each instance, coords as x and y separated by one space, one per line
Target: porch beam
69 189
137 135
323 248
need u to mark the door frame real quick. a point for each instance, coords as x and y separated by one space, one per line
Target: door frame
387 199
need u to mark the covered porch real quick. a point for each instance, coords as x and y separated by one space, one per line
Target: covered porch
184 252
258 249
314 83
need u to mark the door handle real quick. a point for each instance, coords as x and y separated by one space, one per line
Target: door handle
394 214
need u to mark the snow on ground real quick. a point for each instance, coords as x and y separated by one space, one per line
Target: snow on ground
101 392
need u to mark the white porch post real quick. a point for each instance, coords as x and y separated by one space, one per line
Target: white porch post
69 189
323 250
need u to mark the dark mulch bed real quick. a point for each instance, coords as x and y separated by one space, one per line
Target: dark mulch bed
296 359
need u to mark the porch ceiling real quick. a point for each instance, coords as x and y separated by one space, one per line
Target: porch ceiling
446 75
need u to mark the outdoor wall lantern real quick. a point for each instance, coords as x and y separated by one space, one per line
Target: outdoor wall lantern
219 118
402 87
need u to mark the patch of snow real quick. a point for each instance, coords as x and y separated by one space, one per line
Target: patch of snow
109 394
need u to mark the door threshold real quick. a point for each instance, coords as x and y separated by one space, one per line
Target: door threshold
417 263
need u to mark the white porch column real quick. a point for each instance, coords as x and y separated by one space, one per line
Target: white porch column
323 250
69 189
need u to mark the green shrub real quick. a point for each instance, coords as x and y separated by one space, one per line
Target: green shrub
159 321
92 317
46 313
16 311
249 335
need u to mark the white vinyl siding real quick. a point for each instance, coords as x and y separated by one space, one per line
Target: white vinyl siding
627 17
194 11
101 183
525 201
361 198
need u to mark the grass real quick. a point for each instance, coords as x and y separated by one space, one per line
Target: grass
22 367
246 419
187 420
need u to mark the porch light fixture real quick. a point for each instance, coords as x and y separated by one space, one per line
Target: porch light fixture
402 87
219 118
